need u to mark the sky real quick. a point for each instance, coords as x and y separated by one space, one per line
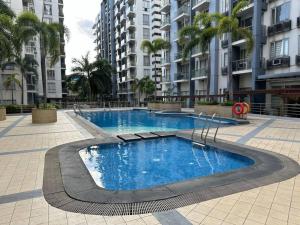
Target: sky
80 16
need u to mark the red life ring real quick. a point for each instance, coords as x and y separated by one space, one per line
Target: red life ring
238 108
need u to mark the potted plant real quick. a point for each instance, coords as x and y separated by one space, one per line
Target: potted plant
44 113
210 108
2 113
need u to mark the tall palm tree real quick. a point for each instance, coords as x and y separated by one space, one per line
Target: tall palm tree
11 82
207 26
20 31
153 48
95 77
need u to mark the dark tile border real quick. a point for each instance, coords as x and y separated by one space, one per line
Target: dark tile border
69 186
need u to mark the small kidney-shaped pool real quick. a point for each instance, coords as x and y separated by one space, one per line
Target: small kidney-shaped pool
151 163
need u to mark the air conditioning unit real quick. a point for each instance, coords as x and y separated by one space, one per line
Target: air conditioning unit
276 62
242 65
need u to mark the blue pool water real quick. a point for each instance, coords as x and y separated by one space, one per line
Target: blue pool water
145 164
137 121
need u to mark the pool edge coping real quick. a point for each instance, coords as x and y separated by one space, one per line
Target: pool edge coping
55 161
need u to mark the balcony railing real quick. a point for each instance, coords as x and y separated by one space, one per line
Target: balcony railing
183 10
166 21
165 60
280 27
200 73
181 76
242 64
198 2
166 78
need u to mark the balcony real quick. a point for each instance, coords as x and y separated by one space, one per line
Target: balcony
31 88
278 62
181 77
131 52
130 12
297 60
178 57
165 24
197 51
182 13
241 66
124 67
130 38
248 8
200 5
240 40
165 6
30 50
130 25
280 27
199 74
166 79
131 64
166 61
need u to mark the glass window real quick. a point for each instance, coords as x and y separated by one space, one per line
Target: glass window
146 60
50 74
224 6
51 87
146 19
225 59
47 9
279 48
281 13
147 72
146 33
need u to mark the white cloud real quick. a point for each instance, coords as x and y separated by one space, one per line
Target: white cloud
79 17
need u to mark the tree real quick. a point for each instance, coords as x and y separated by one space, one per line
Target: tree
20 31
11 82
153 48
91 78
147 86
207 26
6 10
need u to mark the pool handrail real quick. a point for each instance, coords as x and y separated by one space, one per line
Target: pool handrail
208 127
199 116
219 123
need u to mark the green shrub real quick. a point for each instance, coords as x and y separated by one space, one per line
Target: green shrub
228 103
207 103
2 107
46 106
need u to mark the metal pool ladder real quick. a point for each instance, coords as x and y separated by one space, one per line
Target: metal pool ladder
77 109
205 129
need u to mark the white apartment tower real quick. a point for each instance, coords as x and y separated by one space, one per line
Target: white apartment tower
135 21
48 11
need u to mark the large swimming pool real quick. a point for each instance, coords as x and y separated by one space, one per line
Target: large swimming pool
137 121
151 163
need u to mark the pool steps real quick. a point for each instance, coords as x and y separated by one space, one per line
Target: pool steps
139 136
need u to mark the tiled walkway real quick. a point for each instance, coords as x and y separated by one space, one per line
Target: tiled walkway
23 147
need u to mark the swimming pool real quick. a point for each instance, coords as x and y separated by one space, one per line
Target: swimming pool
146 164
138 121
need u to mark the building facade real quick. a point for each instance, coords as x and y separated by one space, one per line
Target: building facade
273 63
131 22
48 11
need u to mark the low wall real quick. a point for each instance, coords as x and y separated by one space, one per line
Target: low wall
154 106
176 107
44 115
223 111
2 114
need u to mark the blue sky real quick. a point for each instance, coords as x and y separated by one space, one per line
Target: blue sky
79 18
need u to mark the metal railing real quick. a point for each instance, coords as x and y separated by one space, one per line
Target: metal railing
286 110
242 64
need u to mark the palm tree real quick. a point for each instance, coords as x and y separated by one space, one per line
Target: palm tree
147 86
6 10
20 31
153 48
91 78
11 82
207 26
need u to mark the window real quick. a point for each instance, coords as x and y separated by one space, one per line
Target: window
281 13
146 60
147 72
50 75
146 19
224 6
51 87
146 5
146 33
47 10
47 20
225 59
279 48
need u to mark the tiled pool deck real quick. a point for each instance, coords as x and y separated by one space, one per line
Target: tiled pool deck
23 147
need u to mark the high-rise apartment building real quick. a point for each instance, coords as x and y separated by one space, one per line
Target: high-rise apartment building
272 66
48 11
131 22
